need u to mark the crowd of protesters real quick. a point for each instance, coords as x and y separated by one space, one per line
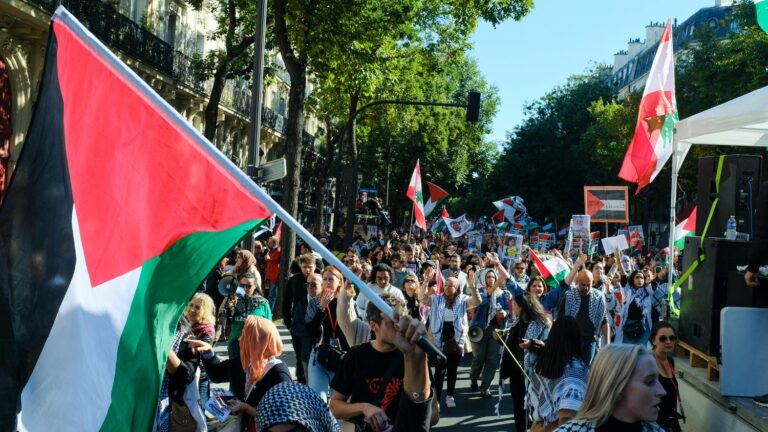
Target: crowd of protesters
589 352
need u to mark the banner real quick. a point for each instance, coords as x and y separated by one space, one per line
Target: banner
607 203
459 226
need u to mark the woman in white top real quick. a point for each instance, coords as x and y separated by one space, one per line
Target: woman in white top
448 324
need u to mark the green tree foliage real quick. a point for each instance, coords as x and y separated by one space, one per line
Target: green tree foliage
578 133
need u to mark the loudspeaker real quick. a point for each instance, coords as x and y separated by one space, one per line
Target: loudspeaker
739 183
705 291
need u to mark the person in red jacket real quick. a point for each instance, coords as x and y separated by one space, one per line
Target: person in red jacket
272 260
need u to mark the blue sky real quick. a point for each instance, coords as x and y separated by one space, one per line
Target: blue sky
560 38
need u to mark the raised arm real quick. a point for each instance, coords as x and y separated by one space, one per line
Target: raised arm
474 295
424 296
576 267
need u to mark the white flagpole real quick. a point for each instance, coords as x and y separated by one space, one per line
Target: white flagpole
672 212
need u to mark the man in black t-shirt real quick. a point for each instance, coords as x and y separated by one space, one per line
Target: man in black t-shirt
386 381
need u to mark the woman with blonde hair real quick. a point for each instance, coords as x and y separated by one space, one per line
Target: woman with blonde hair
200 313
329 346
623 392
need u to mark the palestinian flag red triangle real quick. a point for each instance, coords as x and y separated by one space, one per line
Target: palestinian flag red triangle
116 212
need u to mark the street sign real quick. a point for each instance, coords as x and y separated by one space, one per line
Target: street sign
270 171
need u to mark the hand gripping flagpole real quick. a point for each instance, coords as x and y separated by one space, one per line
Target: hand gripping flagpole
173 116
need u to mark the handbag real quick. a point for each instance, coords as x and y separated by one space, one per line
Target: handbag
329 357
633 329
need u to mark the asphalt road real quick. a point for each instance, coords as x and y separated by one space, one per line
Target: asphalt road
472 413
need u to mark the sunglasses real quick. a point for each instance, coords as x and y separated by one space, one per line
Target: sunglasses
410 281
245 286
665 338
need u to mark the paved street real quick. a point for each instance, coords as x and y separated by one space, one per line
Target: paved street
472 413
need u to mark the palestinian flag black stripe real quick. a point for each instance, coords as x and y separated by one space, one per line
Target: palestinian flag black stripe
116 211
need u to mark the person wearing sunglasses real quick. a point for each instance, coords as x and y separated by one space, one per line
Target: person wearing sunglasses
248 300
663 341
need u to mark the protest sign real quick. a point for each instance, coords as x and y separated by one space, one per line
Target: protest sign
373 231
616 243
513 248
580 228
636 235
474 240
606 203
217 404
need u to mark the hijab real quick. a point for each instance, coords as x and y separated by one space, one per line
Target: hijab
259 342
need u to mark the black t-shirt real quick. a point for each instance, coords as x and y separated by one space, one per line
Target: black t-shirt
362 372
668 404
582 317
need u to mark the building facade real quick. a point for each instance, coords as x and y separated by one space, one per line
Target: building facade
158 39
631 66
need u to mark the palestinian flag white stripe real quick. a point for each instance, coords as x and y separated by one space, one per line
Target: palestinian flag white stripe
77 366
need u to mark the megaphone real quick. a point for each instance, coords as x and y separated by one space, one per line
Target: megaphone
475 333
227 285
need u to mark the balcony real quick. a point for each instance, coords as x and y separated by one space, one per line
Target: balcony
120 32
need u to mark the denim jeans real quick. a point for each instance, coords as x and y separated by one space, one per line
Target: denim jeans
319 378
273 291
588 350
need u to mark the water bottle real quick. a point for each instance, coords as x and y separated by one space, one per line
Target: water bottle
730 232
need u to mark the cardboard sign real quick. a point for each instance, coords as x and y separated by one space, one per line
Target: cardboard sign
373 231
613 244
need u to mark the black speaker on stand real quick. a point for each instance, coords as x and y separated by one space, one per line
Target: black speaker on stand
705 292
739 185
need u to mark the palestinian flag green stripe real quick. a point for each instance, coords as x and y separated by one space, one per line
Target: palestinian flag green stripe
166 282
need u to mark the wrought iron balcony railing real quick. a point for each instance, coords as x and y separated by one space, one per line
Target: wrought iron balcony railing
118 31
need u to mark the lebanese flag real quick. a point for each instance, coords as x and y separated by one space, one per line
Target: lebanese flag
651 145
116 212
436 194
414 193
684 229
553 269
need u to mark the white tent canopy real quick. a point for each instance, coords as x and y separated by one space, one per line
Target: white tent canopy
739 122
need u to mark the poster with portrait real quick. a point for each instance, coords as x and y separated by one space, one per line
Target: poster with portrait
580 228
512 249
636 235
474 240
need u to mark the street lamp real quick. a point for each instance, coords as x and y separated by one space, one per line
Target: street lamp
473 114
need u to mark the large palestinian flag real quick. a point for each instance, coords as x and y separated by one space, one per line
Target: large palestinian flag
117 210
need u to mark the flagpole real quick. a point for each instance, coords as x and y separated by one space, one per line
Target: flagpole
672 212
413 216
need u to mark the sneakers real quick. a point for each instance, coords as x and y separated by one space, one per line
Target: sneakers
473 385
761 400
450 402
485 394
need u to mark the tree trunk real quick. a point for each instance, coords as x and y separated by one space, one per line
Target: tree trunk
352 196
297 70
212 109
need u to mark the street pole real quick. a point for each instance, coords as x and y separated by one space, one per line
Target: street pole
389 165
257 85
473 111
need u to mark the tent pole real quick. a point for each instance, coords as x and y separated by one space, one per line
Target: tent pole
672 212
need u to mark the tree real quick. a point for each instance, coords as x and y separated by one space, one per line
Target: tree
318 34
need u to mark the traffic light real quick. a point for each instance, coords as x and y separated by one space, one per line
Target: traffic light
473 106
